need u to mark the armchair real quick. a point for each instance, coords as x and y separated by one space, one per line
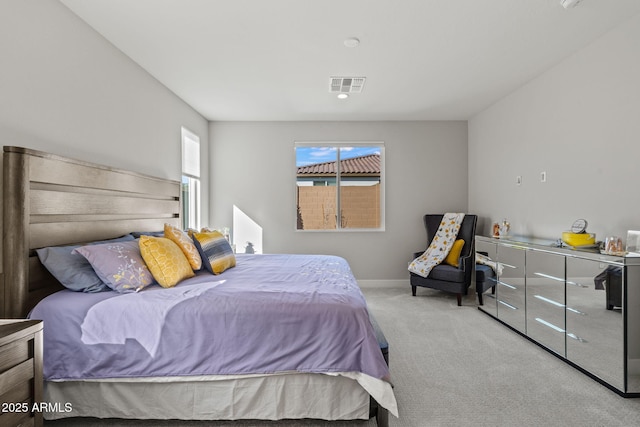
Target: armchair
445 277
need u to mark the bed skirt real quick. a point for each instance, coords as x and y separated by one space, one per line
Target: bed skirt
271 397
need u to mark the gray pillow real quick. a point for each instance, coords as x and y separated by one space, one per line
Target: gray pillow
137 234
73 270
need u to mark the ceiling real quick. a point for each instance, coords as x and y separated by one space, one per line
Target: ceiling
422 59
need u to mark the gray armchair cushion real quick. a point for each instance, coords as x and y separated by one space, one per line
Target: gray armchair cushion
447 273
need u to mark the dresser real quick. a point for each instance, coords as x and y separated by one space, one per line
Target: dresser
580 305
21 380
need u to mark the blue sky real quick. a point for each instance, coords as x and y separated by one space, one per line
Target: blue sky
310 155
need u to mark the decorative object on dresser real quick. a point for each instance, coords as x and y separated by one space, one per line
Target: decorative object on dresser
21 380
580 305
633 242
578 237
445 276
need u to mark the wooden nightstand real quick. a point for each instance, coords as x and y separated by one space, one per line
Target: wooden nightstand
20 372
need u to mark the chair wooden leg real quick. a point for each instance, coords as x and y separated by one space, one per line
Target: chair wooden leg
459 295
413 290
480 298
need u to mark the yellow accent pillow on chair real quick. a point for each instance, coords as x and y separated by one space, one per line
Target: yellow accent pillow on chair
453 258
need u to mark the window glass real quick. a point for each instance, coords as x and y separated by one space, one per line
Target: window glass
190 180
339 186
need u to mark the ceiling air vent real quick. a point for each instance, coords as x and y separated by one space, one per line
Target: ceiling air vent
346 84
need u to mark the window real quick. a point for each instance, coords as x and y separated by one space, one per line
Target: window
190 180
340 186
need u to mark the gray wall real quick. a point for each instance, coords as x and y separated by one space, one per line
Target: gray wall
579 122
253 168
64 89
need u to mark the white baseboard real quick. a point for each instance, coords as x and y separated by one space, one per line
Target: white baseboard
397 283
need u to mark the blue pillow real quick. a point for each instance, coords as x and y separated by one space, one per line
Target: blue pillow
73 270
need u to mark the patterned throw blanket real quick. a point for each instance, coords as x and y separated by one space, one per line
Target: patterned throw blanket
495 266
440 245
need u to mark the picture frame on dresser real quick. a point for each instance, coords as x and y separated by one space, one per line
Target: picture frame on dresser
633 242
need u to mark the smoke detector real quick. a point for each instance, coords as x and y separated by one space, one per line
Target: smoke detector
568 4
346 84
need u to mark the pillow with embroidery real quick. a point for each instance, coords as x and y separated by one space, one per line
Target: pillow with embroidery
119 265
453 258
165 260
215 250
185 244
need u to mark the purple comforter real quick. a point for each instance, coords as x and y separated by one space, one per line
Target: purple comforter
270 314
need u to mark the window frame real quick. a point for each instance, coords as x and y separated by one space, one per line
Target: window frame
192 180
338 145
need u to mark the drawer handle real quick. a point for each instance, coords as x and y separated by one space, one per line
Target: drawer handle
549 324
577 338
561 280
557 304
508 305
577 284
550 301
573 310
506 284
547 276
559 329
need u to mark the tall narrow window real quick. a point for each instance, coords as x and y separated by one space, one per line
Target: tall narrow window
339 186
190 180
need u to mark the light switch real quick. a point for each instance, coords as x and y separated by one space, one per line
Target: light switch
543 177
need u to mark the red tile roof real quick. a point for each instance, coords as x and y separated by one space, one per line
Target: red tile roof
363 165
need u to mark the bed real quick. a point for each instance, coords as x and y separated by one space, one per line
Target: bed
51 201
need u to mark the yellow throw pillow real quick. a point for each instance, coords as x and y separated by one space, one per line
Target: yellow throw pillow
216 252
454 254
165 260
185 243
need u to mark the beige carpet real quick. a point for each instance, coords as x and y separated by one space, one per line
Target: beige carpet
455 366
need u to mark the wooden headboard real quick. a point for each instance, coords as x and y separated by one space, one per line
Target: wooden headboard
50 200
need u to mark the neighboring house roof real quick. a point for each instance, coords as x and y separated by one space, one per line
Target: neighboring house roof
363 165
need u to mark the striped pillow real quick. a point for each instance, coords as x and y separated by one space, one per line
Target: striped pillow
215 250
